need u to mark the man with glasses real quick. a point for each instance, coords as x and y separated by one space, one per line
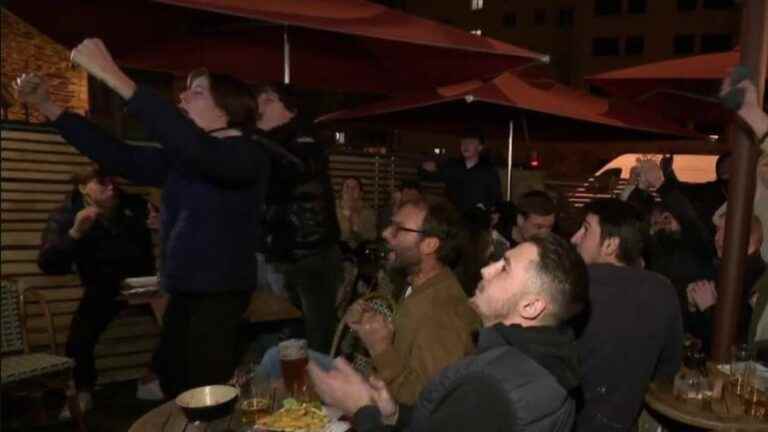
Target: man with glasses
102 234
433 323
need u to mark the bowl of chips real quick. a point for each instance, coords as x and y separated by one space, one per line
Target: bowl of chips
296 416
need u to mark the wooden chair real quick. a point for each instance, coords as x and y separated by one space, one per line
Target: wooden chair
31 374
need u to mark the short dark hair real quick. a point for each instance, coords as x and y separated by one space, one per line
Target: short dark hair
357 180
623 221
233 96
442 221
562 276
285 92
475 133
84 175
536 202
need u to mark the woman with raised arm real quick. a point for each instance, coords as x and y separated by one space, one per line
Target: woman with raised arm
214 177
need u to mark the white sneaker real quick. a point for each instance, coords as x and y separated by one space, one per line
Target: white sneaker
149 391
86 404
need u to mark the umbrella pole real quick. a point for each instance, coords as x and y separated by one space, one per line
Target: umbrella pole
741 190
286 57
509 159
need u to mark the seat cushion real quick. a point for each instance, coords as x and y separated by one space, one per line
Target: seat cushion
19 367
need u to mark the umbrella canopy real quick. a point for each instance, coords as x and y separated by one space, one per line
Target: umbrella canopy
684 90
350 45
558 109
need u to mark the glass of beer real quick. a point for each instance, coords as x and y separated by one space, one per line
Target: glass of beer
293 362
255 397
740 361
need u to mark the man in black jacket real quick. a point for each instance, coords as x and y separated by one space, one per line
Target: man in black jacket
633 331
102 234
302 231
469 181
525 366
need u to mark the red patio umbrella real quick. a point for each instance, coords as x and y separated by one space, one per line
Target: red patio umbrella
351 45
491 105
450 108
684 90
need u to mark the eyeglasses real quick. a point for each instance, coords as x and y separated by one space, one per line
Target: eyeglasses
396 228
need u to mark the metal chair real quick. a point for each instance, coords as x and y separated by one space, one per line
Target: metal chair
23 372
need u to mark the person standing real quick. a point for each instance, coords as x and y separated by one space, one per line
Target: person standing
302 233
214 180
99 232
469 181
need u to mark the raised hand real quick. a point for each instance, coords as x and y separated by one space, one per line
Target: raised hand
93 56
382 397
749 111
702 294
84 220
341 387
32 89
651 176
376 332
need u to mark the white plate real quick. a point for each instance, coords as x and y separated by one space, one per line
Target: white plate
141 282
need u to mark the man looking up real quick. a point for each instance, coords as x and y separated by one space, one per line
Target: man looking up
633 332
525 365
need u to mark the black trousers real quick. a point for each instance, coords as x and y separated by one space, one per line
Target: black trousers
199 343
312 283
92 316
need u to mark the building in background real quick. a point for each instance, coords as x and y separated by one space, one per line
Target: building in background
585 37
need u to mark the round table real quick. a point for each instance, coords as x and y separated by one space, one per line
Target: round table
169 418
726 413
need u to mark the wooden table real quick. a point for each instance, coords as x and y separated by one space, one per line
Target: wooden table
169 418
726 413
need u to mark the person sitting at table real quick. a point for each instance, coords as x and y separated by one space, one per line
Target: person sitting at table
632 332
214 175
525 368
357 221
99 232
433 322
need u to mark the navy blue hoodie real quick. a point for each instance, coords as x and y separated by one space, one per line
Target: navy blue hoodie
213 192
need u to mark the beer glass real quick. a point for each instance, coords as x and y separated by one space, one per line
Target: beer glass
293 362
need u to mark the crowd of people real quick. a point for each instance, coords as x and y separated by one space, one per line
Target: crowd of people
499 323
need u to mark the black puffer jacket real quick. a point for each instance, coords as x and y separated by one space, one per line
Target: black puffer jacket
520 379
301 210
107 253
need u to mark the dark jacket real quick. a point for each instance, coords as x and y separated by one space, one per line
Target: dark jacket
631 335
686 256
467 187
301 207
213 192
108 252
700 323
518 380
705 198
